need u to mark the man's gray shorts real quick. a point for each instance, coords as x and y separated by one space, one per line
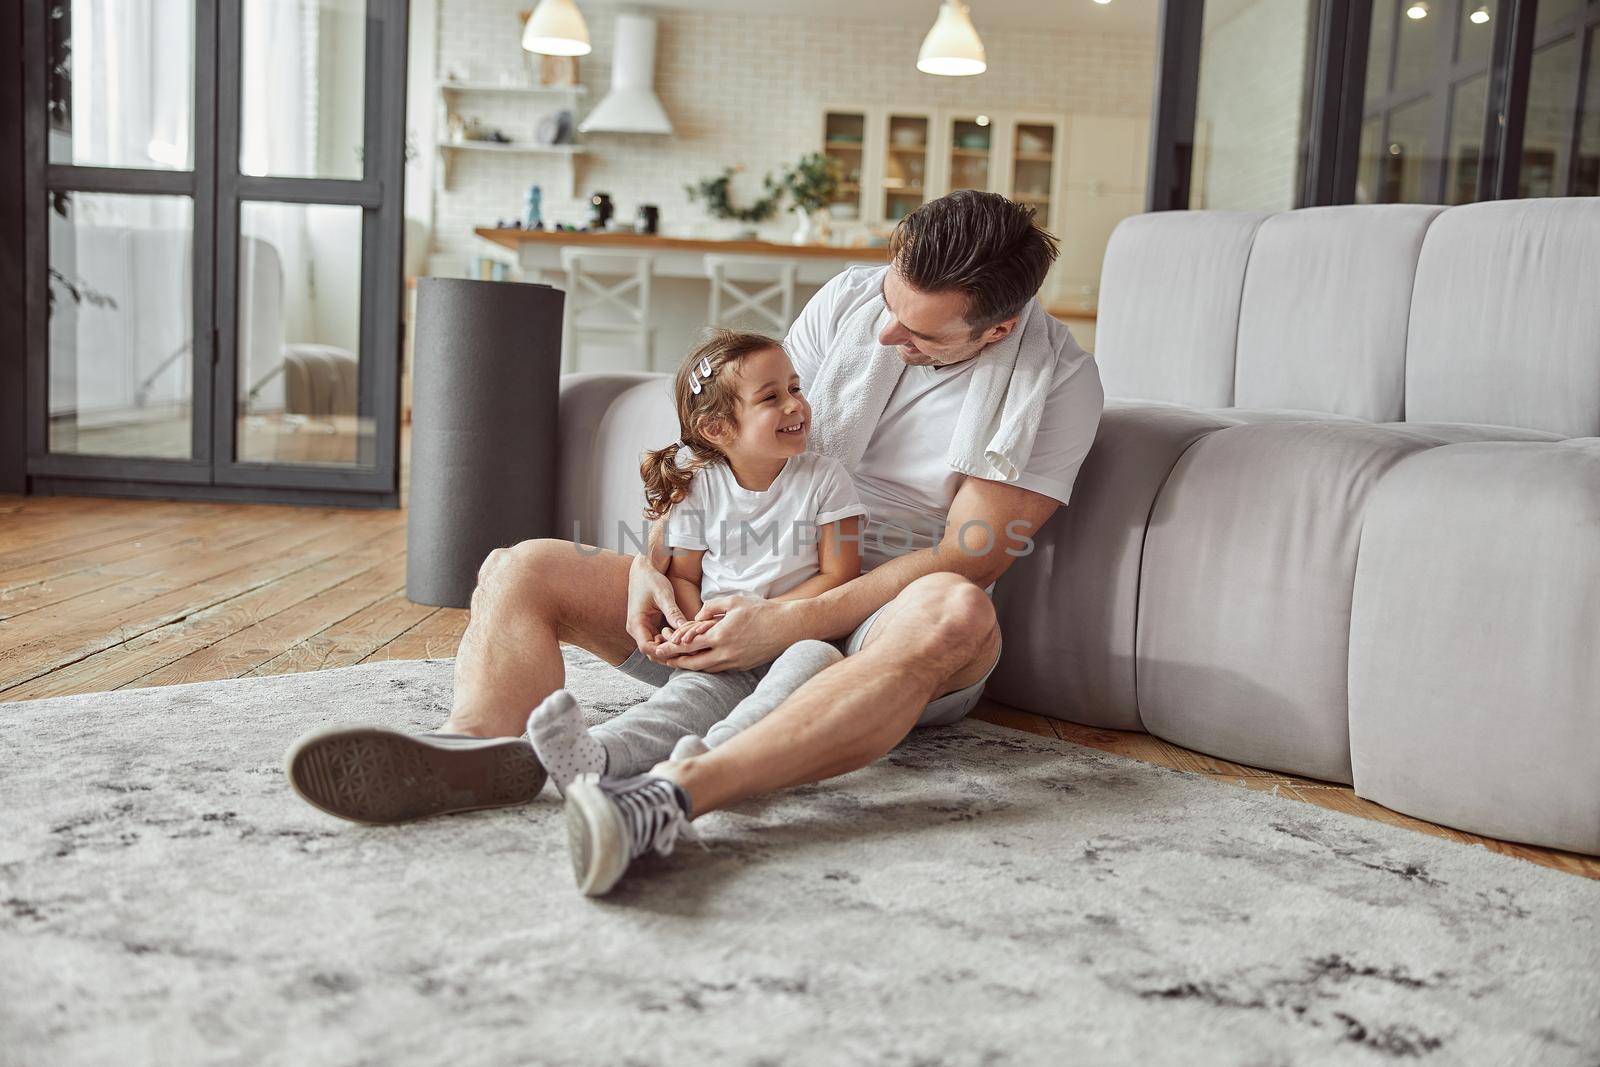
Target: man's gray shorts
941 711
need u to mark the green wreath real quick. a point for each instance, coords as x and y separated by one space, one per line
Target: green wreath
714 191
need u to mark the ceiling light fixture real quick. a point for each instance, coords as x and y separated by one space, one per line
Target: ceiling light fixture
556 28
952 47
1416 11
1102 3
1479 16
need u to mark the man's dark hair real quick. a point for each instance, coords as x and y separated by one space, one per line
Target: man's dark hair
976 243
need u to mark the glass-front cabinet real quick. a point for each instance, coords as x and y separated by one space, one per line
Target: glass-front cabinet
971 152
907 141
1034 153
844 143
891 160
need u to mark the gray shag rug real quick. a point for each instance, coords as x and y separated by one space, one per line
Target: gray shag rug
981 896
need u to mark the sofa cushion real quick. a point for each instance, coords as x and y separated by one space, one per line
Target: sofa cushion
1462 432
1168 322
1475 641
1505 317
607 421
1327 297
1244 596
1067 610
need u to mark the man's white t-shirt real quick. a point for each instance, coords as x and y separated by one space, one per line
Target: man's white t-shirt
903 478
760 541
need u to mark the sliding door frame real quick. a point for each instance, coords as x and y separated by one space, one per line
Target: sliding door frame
43 181
216 188
13 263
380 195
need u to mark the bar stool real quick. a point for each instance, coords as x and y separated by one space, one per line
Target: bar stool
734 292
608 299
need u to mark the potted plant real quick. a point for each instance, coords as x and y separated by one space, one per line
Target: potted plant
811 184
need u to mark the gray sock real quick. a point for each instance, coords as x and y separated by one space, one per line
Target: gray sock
562 742
802 661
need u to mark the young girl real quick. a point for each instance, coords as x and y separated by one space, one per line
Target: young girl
748 510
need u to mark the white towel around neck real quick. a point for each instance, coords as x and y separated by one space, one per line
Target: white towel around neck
999 417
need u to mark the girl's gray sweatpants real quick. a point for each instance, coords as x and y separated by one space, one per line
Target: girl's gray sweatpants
713 706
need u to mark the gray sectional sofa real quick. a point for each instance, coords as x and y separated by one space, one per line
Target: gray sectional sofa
1342 518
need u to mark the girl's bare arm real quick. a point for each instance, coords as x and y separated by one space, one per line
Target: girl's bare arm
838 556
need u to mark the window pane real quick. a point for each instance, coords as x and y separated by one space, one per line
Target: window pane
1587 178
1371 160
1248 111
1418 61
1552 81
1406 156
1475 34
300 336
121 83
303 88
1552 12
1466 139
121 324
1381 48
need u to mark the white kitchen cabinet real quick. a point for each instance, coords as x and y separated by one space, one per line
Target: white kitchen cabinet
1104 184
1083 173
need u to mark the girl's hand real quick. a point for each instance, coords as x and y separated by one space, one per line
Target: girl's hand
688 632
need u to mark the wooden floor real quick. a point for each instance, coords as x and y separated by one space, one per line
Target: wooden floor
99 594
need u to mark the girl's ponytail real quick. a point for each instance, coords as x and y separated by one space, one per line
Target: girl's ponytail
665 483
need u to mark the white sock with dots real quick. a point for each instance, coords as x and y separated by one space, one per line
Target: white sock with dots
562 742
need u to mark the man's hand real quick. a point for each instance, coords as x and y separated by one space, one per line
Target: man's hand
652 605
748 631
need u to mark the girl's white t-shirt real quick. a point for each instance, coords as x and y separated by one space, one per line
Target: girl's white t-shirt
761 542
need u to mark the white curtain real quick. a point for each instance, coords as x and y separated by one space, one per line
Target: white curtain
132 82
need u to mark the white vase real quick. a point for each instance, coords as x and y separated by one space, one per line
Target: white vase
805 227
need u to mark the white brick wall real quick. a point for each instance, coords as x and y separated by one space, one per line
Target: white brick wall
1247 114
743 90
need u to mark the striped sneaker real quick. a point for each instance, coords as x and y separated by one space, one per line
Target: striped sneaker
613 821
371 774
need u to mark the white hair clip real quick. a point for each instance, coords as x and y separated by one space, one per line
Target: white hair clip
704 370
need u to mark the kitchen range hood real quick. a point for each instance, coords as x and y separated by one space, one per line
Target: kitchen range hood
631 105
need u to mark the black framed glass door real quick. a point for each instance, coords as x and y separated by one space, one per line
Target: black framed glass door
1359 101
214 193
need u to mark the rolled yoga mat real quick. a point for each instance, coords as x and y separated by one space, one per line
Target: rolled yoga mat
485 382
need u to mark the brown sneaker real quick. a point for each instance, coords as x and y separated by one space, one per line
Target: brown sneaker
371 774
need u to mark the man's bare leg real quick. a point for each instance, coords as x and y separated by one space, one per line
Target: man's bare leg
939 636
530 599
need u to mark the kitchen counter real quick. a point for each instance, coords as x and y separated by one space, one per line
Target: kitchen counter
516 240
539 251
679 300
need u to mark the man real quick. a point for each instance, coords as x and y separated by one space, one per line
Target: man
918 628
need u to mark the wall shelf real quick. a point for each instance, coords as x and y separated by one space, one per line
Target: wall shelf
519 90
568 152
